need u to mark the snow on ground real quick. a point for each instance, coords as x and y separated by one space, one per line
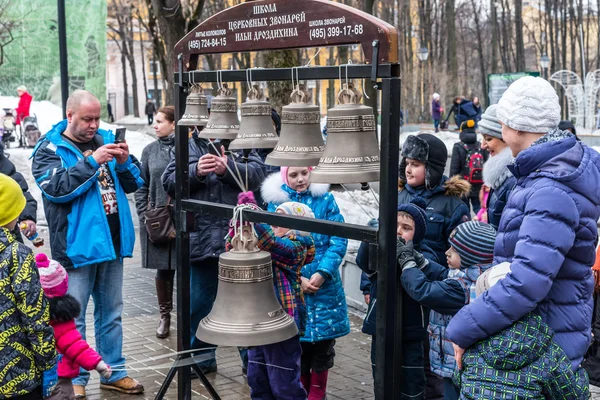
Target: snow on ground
131 120
358 207
48 114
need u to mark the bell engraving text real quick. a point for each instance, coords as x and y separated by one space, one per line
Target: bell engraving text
297 149
359 123
245 274
224 107
349 160
300 118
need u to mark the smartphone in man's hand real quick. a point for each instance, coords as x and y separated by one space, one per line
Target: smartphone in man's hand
120 135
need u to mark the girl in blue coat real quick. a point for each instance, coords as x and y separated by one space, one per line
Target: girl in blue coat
547 231
321 282
496 174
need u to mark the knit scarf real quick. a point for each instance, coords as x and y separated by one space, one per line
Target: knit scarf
553 135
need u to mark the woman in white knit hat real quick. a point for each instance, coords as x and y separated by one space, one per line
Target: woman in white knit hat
547 231
496 175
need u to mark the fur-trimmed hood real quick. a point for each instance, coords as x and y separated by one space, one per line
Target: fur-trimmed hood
273 190
454 186
63 309
495 170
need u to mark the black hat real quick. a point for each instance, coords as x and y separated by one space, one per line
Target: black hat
416 209
567 125
428 149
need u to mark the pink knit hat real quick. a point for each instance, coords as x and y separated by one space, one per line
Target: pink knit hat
53 276
284 174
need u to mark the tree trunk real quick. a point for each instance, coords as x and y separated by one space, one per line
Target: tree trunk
172 27
143 59
128 30
125 89
494 21
520 62
482 66
598 32
451 51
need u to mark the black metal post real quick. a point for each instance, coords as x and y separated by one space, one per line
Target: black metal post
63 59
388 383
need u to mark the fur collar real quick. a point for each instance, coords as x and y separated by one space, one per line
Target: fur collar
495 170
273 190
64 309
455 186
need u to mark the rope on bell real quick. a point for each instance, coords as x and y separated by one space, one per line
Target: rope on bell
237 220
235 178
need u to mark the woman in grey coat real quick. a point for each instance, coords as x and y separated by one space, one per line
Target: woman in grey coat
162 257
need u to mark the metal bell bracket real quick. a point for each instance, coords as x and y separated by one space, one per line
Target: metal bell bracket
222 88
348 94
299 94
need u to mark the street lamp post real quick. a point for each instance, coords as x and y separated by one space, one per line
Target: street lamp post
62 48
422 55
545 63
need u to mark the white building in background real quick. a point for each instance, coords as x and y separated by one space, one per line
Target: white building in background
115 92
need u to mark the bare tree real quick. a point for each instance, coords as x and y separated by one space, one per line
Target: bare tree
7 26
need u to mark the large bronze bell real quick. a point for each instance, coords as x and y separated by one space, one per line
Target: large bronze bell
246 311
256 128
352 151
223 122
196 109
301 143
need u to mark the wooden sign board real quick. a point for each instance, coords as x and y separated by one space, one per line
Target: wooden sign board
285 24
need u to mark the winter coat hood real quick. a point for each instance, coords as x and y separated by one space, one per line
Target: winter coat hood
468 136
63 309
495 170
518 346
274 190
562 159
453 187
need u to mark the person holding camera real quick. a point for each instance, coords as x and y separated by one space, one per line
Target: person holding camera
84 177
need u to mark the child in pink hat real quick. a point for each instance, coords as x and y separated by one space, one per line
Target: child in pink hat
64 309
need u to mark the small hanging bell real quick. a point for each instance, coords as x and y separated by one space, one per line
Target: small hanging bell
223 122
352 151
196 109
256 128
246 311
301 142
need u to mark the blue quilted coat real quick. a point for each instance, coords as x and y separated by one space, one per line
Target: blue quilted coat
327 310
548 233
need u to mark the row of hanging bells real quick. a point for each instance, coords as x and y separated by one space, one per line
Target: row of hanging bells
350 156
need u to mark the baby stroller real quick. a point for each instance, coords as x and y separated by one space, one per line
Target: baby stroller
8 127
30 131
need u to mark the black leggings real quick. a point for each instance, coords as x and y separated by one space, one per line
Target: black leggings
165 274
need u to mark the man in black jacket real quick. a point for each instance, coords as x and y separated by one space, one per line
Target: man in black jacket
29 214
150 111
211 179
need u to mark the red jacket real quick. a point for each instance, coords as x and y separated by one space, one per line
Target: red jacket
23 107
76 352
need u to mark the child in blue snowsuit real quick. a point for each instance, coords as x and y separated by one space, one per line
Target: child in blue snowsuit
446 291
412 223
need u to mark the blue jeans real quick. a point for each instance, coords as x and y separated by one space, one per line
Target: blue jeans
204 281
104 282
436 124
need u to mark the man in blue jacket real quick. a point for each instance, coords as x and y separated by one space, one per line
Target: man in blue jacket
547 231
84 178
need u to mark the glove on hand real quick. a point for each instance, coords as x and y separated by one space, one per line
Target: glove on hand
421 261
49 380
104 370
404 253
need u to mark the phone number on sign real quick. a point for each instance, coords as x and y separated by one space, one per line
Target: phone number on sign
204 43
335 31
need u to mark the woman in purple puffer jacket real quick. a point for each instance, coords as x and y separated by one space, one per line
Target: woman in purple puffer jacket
547 231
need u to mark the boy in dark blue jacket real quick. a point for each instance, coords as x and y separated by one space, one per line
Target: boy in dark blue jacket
446 291
412 223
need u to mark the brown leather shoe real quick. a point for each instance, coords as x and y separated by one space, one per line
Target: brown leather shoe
79 391
126 385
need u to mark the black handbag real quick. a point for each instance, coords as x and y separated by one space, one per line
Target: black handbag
159 223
